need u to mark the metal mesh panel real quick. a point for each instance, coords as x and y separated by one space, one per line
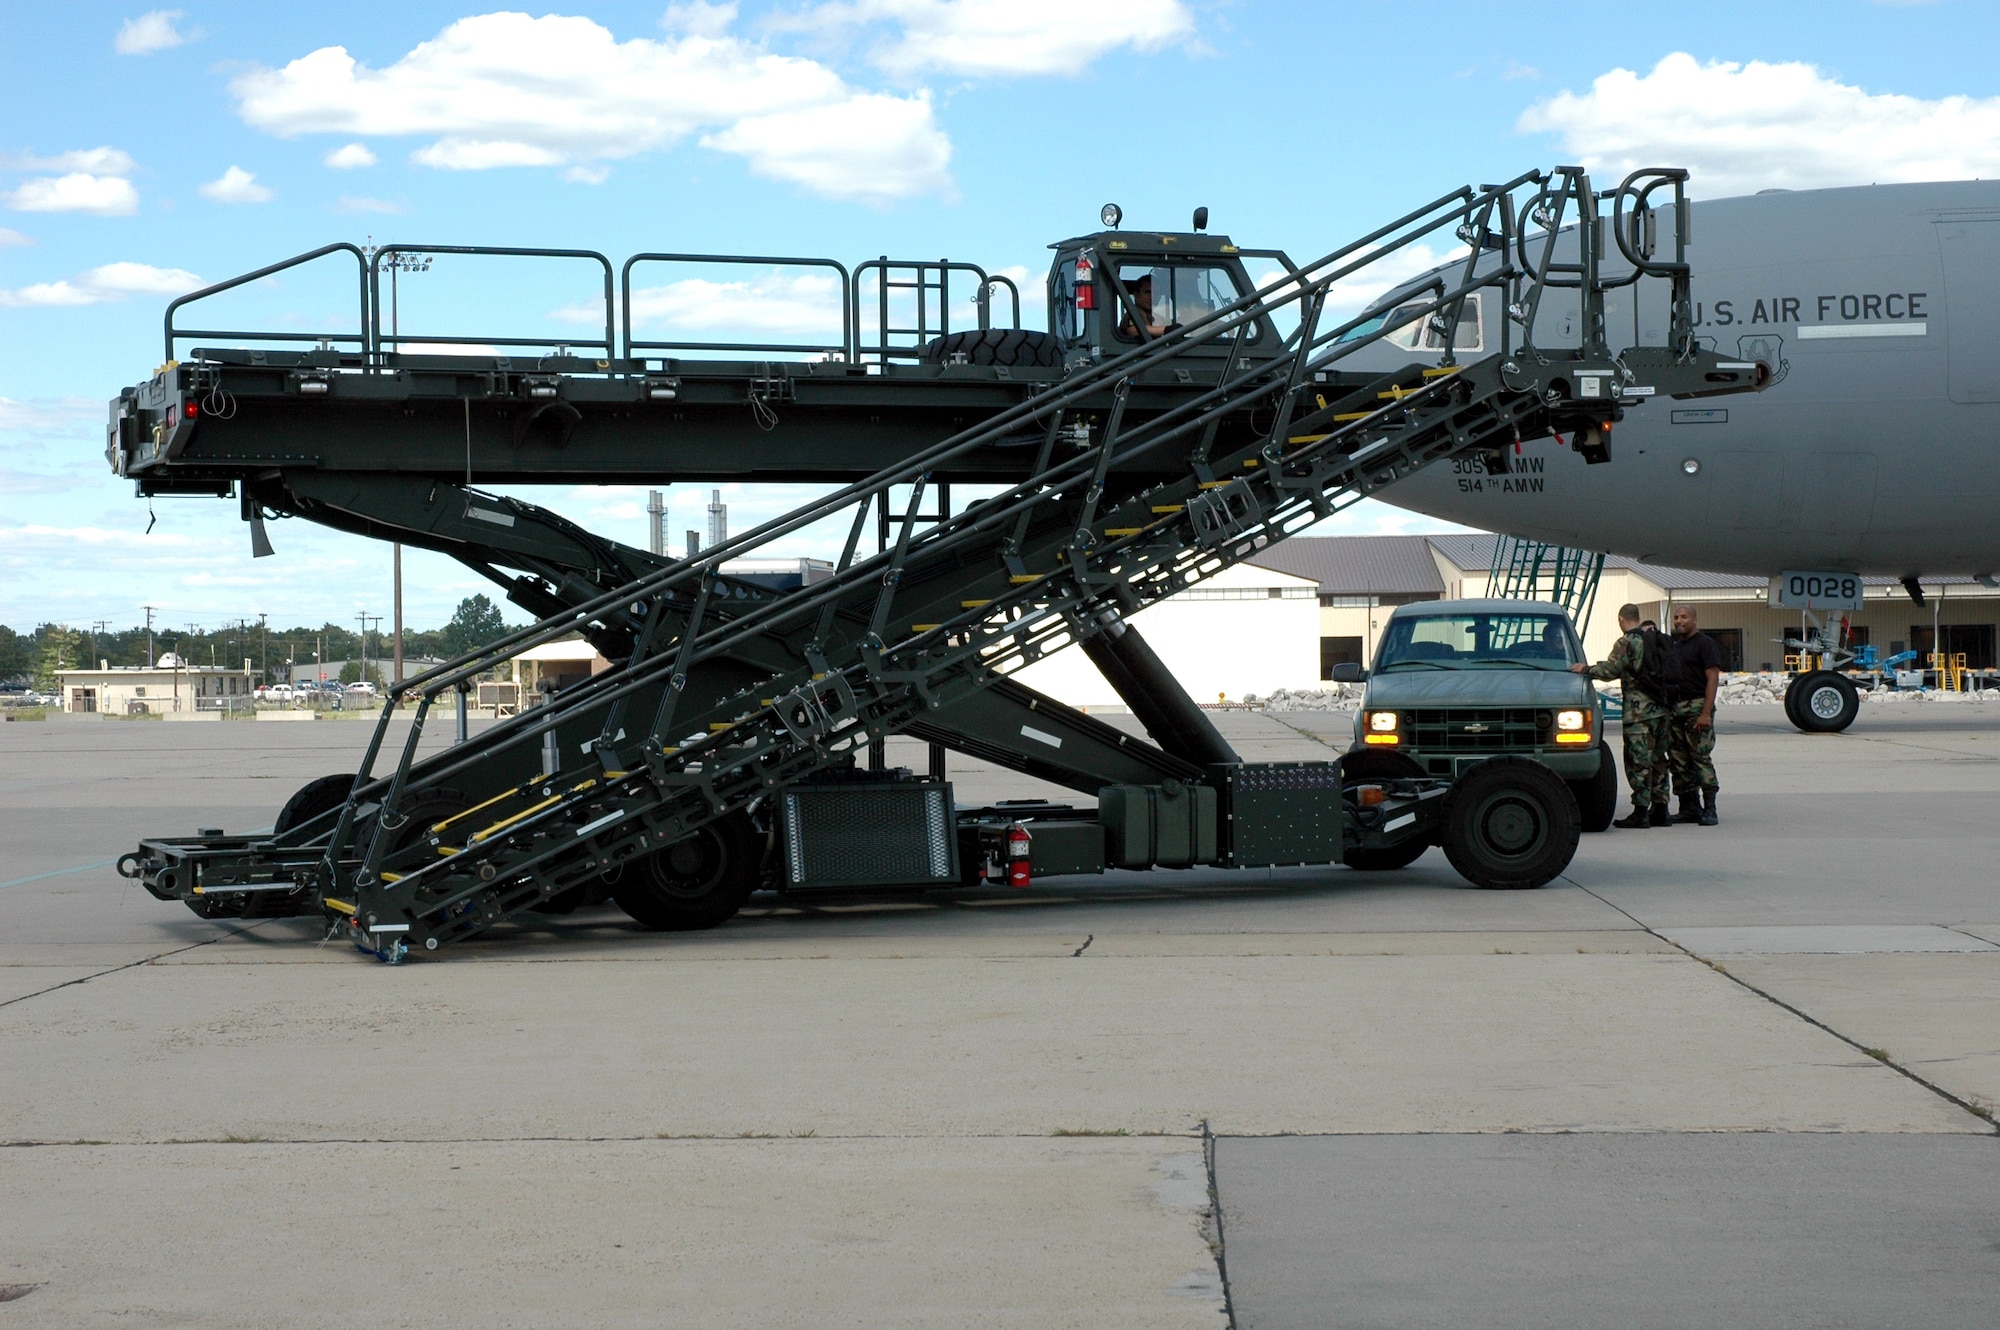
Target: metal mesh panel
869 835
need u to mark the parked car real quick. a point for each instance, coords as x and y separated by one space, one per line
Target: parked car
277 692
360 689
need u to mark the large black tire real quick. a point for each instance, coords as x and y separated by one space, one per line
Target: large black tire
1597 797
1827 702
1791 700
1374 764
1510 824
1382 861
997 346
313 799
698 881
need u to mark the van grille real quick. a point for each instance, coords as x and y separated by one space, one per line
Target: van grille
1475 729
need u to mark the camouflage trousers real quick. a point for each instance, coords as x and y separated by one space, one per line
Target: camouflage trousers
1645 731
1689 751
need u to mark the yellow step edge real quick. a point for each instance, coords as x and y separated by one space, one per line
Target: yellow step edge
923 627
718 726
1394 394
1251 461
392 877
614 775
1308 438
1121 530
1213 484
1352 415
447 851
1440 373
524 814
332 904
1169 507
973 604
455 817
1022 579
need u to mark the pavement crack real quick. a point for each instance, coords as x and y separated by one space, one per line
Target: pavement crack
133 965
1088 939
1216 1242
1983 1111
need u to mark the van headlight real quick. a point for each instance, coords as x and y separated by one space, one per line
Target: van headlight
1382 728
1573 727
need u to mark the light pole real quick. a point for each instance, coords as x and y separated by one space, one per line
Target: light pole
364 618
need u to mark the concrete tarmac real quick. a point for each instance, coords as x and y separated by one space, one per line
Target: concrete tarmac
992 1108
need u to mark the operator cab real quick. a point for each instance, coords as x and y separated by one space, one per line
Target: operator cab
1114 290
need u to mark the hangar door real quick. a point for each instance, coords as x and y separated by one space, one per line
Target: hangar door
1972 307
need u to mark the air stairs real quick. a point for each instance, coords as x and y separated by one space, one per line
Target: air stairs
724 696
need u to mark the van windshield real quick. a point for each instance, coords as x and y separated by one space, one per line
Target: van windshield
1461 641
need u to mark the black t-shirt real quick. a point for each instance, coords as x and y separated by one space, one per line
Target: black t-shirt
1698 655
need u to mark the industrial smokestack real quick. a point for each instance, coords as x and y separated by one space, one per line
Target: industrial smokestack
718 518
656 519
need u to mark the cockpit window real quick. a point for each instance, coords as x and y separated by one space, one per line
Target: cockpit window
1418 335
1171 294
1455 641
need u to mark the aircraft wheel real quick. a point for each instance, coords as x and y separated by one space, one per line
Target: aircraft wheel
1793 692
1510 824
697 882
1597 797
1828 702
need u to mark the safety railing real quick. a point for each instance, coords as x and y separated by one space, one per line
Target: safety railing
845 348
394 340
359 338
920 281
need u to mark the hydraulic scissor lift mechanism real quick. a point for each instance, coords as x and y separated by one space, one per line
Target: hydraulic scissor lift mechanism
1174 422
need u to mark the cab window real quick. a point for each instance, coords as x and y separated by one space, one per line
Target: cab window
1069 317
1171 294
1418 335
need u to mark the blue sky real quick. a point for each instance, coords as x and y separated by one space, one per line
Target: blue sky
142 152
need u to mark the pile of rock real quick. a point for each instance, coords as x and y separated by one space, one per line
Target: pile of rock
1328 697
1930 695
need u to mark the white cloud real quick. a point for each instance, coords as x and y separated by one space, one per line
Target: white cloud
112 281
698 18
150 32
780 304
350 157
236 185
58 415
97 161
872 146
1743 127
499 90
107 196
1003 37
361 203
10 238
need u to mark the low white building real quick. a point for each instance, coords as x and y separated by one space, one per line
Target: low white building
169 686
1248 629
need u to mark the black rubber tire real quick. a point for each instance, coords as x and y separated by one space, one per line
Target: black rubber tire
1382 861
1597 797
314 799
1827 702
1791 700
1510 824
698 881
997 346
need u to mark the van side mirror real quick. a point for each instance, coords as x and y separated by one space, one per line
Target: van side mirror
1348 672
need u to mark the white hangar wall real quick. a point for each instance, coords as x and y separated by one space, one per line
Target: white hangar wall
1245 630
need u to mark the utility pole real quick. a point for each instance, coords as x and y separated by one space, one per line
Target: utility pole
399 612
263 645
364 617
98 627
149 637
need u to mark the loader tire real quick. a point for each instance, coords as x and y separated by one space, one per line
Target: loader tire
996 346
1510 824
698 881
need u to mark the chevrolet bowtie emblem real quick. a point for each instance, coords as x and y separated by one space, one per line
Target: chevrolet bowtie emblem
1475 729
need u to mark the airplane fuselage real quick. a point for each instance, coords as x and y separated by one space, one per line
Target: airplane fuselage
1875 449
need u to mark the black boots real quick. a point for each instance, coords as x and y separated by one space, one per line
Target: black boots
1708 817
1690 808
1662 818
1637 819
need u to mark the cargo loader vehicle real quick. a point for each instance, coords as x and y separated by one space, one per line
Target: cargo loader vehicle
1174 420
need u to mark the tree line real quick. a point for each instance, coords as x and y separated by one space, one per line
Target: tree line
36 655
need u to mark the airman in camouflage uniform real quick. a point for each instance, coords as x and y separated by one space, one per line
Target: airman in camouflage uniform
1644 725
